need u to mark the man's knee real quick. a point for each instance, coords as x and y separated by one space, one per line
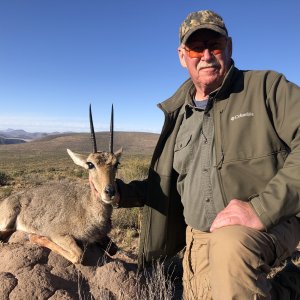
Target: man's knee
236 263
229 239
237 244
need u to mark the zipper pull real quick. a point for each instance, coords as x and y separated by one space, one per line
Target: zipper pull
205 138
220 163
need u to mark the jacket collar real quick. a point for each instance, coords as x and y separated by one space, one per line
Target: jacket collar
178 99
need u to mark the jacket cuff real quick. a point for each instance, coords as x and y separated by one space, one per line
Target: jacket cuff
258 207
130 194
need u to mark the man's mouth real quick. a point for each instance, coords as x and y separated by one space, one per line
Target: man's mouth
208 66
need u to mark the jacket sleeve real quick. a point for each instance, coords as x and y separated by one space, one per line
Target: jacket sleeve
281 196
132 194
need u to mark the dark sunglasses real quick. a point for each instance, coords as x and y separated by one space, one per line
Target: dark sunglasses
196 50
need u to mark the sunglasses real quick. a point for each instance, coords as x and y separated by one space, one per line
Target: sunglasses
196 50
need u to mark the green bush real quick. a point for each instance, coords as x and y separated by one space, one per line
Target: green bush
5 192
127 217
4 179
134 168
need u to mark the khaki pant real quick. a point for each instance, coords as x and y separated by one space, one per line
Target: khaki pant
233 262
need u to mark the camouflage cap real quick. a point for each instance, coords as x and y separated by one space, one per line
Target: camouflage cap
203 19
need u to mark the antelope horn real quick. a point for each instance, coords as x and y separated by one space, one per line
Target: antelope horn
111 143
92 132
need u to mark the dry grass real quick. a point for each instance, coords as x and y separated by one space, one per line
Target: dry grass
156 283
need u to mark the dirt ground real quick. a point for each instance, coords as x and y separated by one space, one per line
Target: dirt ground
28 271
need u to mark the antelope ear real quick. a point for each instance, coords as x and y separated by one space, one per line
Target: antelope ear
119 153
78 159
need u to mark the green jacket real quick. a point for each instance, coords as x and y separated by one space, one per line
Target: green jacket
257 141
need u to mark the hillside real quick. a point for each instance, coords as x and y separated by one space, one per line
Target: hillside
131 142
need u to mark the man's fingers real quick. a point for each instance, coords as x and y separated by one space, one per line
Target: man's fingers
223 221
237 213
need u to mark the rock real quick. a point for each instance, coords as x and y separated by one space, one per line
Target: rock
8 283
29 271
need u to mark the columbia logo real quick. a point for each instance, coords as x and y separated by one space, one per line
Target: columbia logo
242 115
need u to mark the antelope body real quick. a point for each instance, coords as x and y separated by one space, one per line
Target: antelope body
57 214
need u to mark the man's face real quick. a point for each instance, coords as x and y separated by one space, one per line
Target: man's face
207 57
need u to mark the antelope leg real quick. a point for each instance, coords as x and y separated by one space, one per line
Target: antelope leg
69 250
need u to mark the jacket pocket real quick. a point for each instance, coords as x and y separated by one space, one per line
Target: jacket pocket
242 178
182 154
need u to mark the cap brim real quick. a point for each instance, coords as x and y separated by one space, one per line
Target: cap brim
204 26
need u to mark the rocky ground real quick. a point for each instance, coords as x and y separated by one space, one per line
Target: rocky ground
28 271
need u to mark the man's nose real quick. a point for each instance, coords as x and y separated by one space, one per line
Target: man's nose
207 55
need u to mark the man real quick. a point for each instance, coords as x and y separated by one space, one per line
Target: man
224 179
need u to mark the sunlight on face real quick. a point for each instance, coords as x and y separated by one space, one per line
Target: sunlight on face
209 66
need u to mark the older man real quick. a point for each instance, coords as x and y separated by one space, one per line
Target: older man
224 180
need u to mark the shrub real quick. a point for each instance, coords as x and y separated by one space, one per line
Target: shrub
134 168
127 217
4 178
156 283
5 192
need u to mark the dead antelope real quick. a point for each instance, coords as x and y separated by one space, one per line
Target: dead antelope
58 214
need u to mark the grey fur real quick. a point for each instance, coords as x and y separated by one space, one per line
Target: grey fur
60 212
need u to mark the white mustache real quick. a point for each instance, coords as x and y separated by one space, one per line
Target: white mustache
204 65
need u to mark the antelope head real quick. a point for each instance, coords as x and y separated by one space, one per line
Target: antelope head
102 166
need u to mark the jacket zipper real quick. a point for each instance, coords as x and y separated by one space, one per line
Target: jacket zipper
219 161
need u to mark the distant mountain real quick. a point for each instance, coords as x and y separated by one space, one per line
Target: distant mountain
21 136
8 141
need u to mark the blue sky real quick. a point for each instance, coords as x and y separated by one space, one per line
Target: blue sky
57 56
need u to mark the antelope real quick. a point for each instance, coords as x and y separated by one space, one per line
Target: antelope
58 214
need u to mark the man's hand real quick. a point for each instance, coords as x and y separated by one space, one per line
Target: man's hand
237 213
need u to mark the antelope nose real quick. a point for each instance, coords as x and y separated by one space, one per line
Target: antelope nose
110 191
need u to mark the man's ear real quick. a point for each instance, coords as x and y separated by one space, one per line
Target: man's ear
181 56
229 46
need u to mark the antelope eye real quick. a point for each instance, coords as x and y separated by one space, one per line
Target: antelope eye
90 165
117 165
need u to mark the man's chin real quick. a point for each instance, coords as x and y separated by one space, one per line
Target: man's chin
210 78
209 70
